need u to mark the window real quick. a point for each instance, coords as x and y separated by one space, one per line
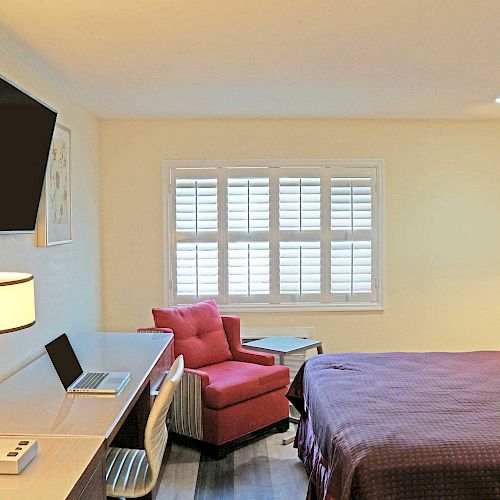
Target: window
274 234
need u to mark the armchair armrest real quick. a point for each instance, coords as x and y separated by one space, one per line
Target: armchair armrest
154 329
249 356
232 329
205 379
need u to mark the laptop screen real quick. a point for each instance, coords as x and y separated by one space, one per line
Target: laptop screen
64 360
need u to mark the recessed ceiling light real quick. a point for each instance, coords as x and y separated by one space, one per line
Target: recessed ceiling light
497 100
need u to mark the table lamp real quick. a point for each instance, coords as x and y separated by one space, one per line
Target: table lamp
17 301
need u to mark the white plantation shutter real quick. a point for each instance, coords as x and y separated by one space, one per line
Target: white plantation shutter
351 267
300 267
299 237
196 205
248 204
196 229
197 269
275 233
300 203
248 268
353 234
351 203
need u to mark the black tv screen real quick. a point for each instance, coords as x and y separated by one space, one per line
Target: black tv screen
26 128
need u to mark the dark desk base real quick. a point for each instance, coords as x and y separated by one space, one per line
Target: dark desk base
92 483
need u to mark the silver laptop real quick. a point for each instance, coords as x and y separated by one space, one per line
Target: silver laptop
74 379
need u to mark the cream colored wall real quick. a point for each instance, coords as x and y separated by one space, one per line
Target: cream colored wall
67 277
442 222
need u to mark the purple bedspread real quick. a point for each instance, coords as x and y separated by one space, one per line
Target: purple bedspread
401 425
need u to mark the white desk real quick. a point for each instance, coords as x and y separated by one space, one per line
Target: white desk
34 402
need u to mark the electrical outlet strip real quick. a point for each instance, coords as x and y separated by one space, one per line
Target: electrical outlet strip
16 454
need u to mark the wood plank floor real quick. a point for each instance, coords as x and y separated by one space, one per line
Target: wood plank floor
263 470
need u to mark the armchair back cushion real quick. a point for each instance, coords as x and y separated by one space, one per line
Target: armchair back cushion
198 333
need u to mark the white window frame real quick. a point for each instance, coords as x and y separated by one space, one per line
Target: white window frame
282 167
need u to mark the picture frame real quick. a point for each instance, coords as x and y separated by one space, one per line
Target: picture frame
55 213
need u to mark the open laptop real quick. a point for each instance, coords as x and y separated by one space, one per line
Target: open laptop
74 379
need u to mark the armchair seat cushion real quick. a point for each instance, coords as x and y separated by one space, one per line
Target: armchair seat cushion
232 382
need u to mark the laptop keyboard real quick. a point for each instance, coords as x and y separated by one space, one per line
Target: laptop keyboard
91 381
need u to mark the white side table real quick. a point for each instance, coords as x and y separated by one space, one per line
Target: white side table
282 345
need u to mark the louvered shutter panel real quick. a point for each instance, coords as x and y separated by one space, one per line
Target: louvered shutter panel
351 267
300 217
248 268
197 269
248 261
300 267
299 203
248 204
351 203
196 205
351 218
196 261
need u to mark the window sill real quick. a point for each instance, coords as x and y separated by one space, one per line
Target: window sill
241 308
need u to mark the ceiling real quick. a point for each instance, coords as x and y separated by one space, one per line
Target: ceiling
264 58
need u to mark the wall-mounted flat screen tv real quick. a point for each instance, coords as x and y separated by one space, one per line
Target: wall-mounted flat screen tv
26 127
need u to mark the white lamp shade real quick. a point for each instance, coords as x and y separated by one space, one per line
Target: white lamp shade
17 301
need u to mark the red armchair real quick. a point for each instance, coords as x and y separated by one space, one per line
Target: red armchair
227 392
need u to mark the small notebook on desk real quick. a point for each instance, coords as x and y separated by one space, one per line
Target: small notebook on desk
72 376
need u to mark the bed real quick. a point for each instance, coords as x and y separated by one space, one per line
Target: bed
400 425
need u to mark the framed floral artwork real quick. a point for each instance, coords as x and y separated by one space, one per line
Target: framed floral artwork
54 223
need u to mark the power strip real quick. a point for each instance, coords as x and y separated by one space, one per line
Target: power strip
16 454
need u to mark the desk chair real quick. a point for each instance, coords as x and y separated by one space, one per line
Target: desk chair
133 473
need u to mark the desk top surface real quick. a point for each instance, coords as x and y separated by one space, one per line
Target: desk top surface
282 344
43 478
34 402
